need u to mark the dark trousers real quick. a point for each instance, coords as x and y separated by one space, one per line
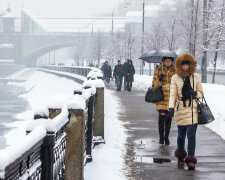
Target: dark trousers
164 124
119 80
190 131
125 82
129 85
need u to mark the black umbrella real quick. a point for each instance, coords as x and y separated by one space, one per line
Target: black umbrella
156 56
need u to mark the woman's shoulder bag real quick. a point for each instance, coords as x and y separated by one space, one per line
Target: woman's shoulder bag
154 95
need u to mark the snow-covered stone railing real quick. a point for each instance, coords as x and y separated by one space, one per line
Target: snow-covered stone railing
86 111
23 160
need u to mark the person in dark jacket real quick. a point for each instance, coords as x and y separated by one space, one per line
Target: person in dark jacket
125 74
118 74
130 75
107 71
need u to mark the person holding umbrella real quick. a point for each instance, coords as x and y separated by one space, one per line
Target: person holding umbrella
162 79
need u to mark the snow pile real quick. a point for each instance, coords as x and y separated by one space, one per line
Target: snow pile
11 153
142 82
70 101
108 159
51 125
42 111
214 95
95 73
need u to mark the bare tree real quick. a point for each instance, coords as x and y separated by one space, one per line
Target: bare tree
79 51
219 23
130 39
98 46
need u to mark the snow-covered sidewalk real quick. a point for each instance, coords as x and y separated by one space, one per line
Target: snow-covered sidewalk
108 159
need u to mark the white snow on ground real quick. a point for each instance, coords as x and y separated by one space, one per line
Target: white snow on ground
39 88
108 161
214 95
142 82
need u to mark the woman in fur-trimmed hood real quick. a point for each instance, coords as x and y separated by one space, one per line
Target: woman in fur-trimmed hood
185 88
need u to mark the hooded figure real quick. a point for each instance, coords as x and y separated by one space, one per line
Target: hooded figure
185 88
162 79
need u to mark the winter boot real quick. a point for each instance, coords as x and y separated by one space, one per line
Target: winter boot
191 161
180 156
167 129
161 128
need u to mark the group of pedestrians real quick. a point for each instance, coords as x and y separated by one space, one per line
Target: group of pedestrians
122 73
181 87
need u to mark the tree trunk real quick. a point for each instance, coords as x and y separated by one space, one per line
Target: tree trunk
215 60
195 28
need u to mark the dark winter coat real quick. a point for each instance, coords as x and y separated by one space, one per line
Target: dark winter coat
118 70
125 68
107 71
130 73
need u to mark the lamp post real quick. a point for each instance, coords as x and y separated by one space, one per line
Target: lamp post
205 27
142 36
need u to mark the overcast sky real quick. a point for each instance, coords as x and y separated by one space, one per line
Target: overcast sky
62 8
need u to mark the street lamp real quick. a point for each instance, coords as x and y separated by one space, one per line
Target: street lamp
142 36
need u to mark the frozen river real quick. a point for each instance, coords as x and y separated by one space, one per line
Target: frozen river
10 103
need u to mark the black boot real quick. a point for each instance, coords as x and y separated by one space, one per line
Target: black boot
161 128
167 129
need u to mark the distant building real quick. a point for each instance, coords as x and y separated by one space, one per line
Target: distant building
133 5
134 19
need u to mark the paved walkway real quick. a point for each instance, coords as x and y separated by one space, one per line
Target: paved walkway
144 154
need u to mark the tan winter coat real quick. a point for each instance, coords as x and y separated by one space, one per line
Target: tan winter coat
184 115
165 84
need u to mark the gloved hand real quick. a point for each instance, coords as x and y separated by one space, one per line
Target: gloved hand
193 93
161 76
171 111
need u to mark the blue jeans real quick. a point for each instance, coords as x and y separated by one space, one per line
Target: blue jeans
125 82
119 80
190 131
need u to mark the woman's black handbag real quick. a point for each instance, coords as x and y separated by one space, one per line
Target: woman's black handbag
205 115
154 95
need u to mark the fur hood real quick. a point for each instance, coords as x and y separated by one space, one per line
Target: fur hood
180 59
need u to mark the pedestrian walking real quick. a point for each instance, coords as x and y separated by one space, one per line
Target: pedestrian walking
130 75
107 71
125 74
162 79
118 74
185 88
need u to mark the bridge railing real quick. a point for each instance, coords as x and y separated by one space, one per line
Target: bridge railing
79 70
